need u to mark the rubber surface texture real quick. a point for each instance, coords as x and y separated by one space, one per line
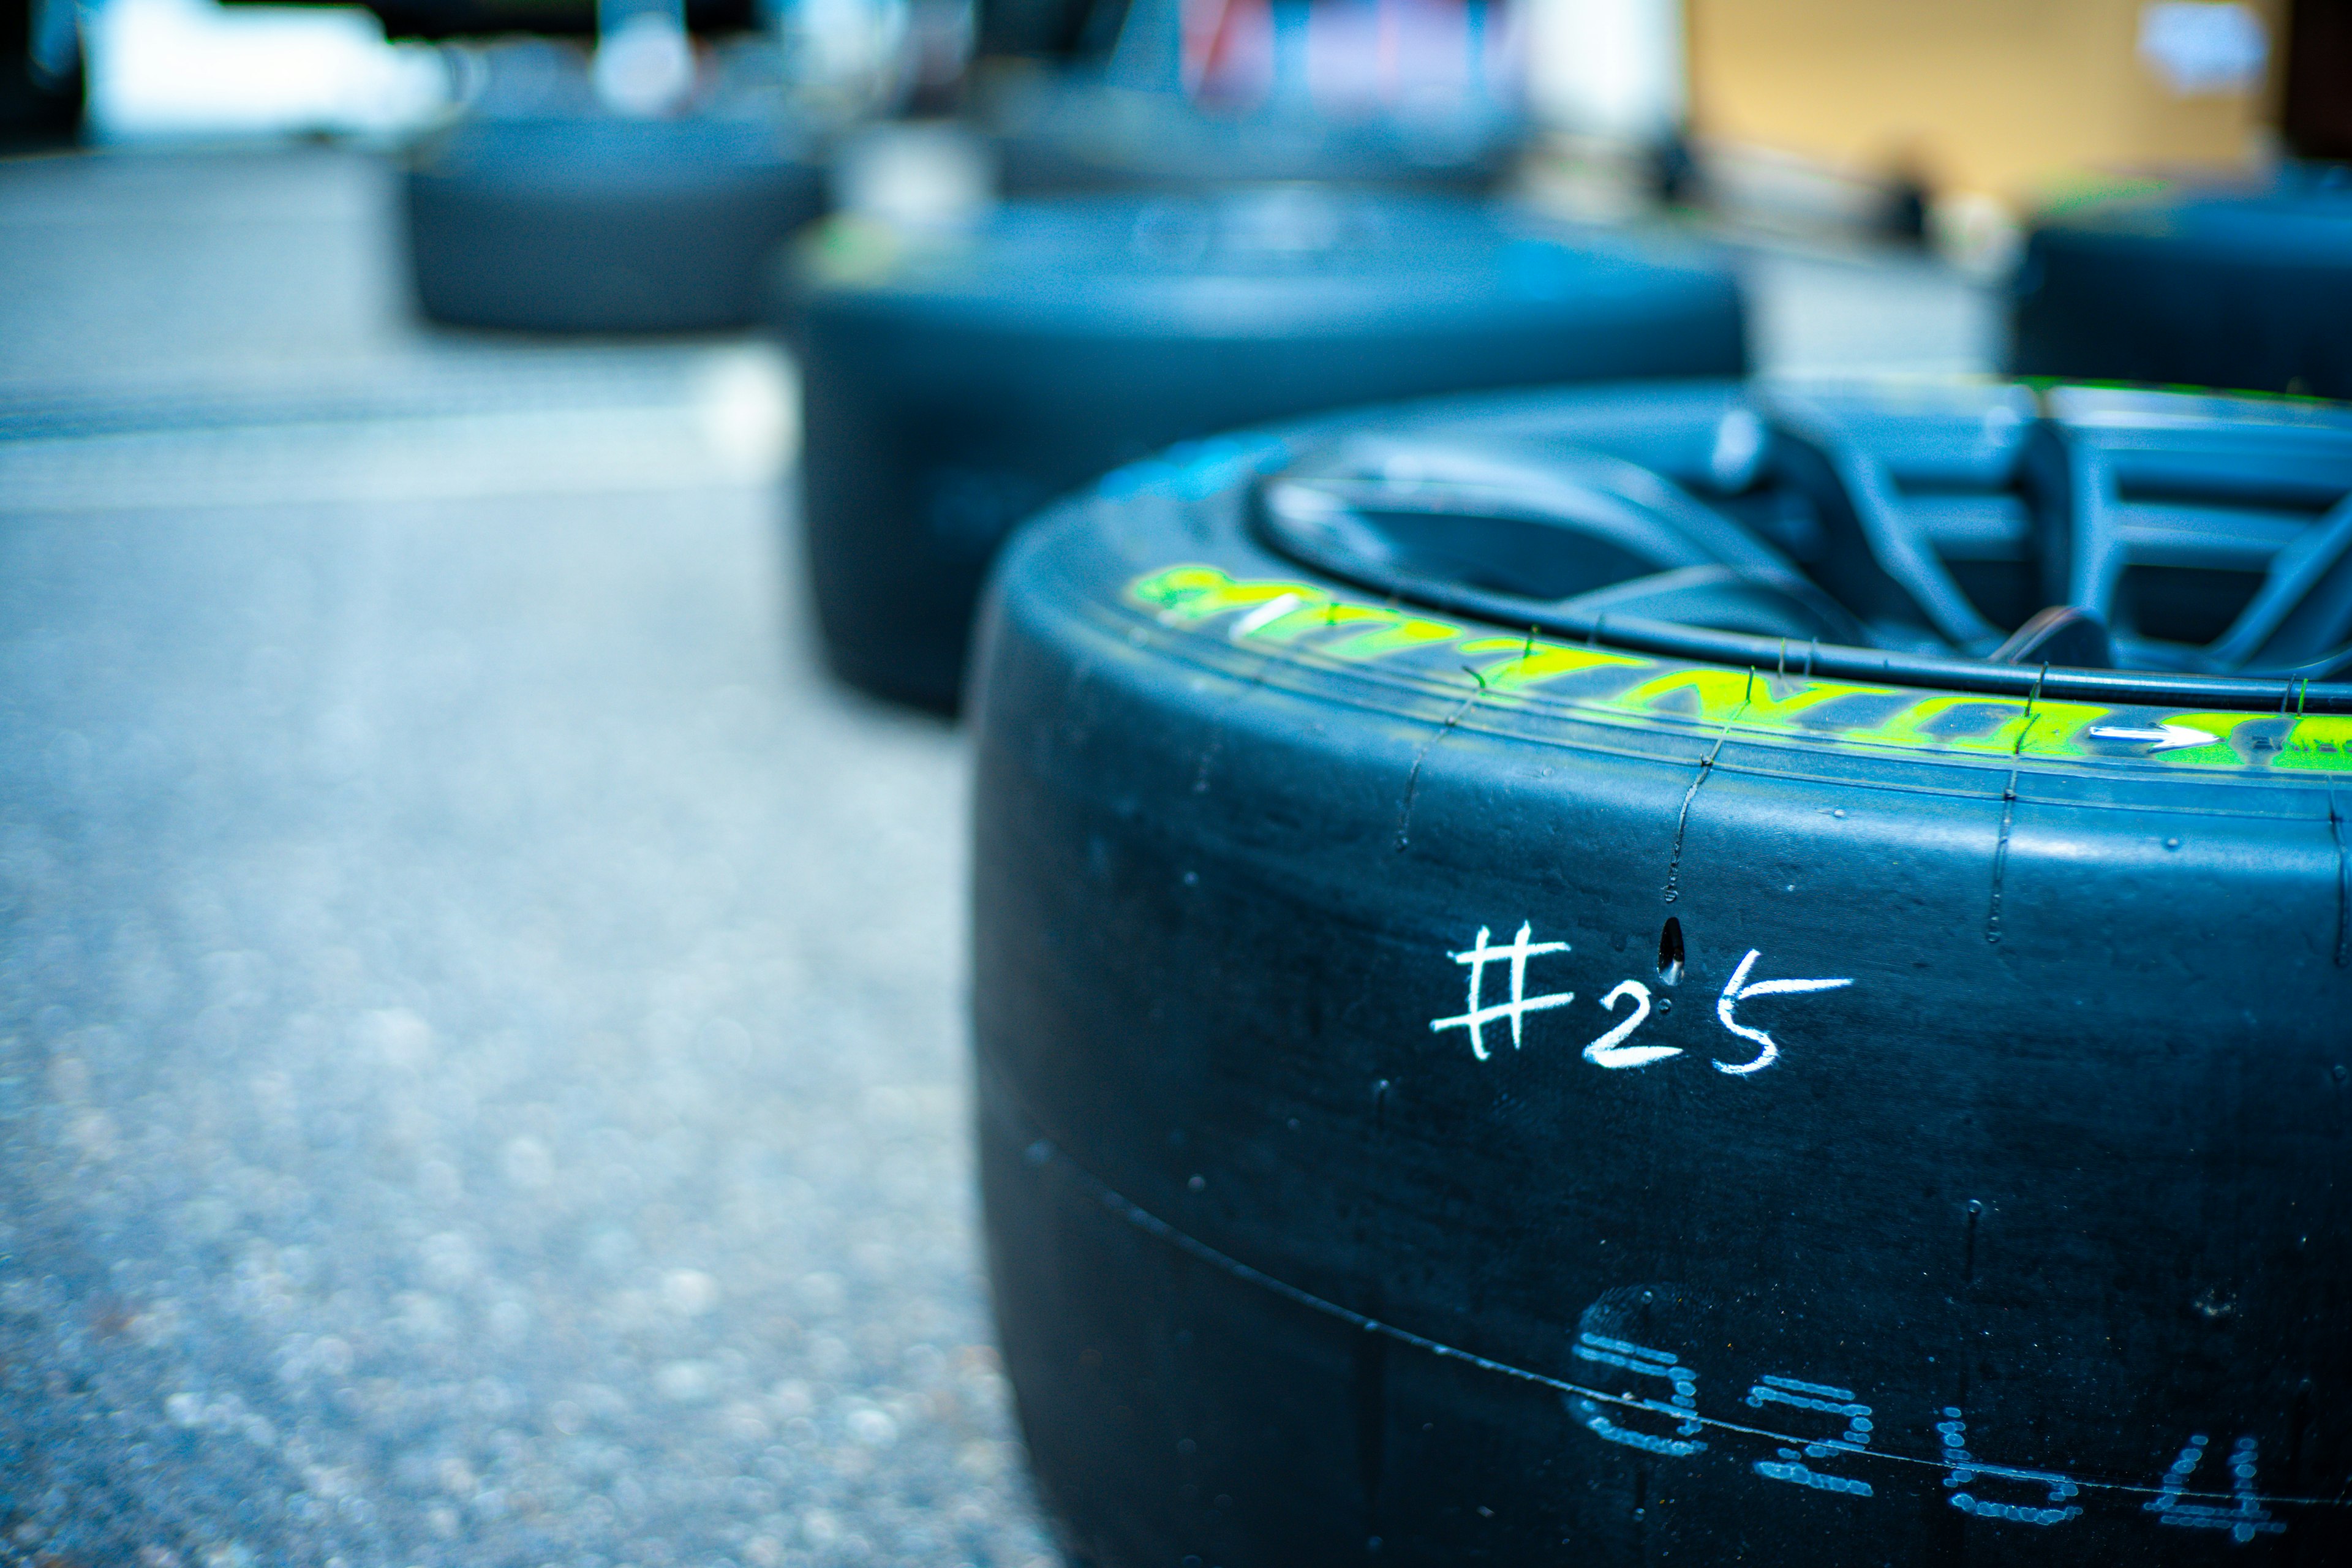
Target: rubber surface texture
1914 1127
589 224
950 390
2237 291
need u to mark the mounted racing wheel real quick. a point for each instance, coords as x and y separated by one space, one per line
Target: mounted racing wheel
1687 973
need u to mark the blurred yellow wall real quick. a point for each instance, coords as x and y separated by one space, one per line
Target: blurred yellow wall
2009 98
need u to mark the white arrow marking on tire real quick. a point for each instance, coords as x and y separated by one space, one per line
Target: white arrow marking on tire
2166 738
1736 990
1265 615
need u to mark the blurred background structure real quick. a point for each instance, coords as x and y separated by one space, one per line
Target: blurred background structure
480 1050
1798 110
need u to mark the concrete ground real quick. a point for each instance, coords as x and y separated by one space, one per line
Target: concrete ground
480 1051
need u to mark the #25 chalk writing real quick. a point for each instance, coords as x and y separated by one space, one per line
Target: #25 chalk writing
1610 1049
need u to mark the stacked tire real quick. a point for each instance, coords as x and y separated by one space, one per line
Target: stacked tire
953 383
1535 1002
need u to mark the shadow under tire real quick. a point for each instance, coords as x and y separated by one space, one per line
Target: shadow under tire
1463 1088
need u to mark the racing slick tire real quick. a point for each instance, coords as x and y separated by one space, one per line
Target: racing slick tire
2223 290
597 223
1514 1025
954 384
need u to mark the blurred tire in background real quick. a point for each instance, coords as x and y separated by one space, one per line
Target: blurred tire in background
2222 289
1496 1044
41 76
1059 135
637 189
955 381
540 211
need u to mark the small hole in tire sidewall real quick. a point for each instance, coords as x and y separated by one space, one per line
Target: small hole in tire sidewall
1670 952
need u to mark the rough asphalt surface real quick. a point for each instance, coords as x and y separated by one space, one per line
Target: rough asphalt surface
480 1072
480 1045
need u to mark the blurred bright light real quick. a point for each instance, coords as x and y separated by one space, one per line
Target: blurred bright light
175 68
1607 68
645 66
850 49
2198 48
924 174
